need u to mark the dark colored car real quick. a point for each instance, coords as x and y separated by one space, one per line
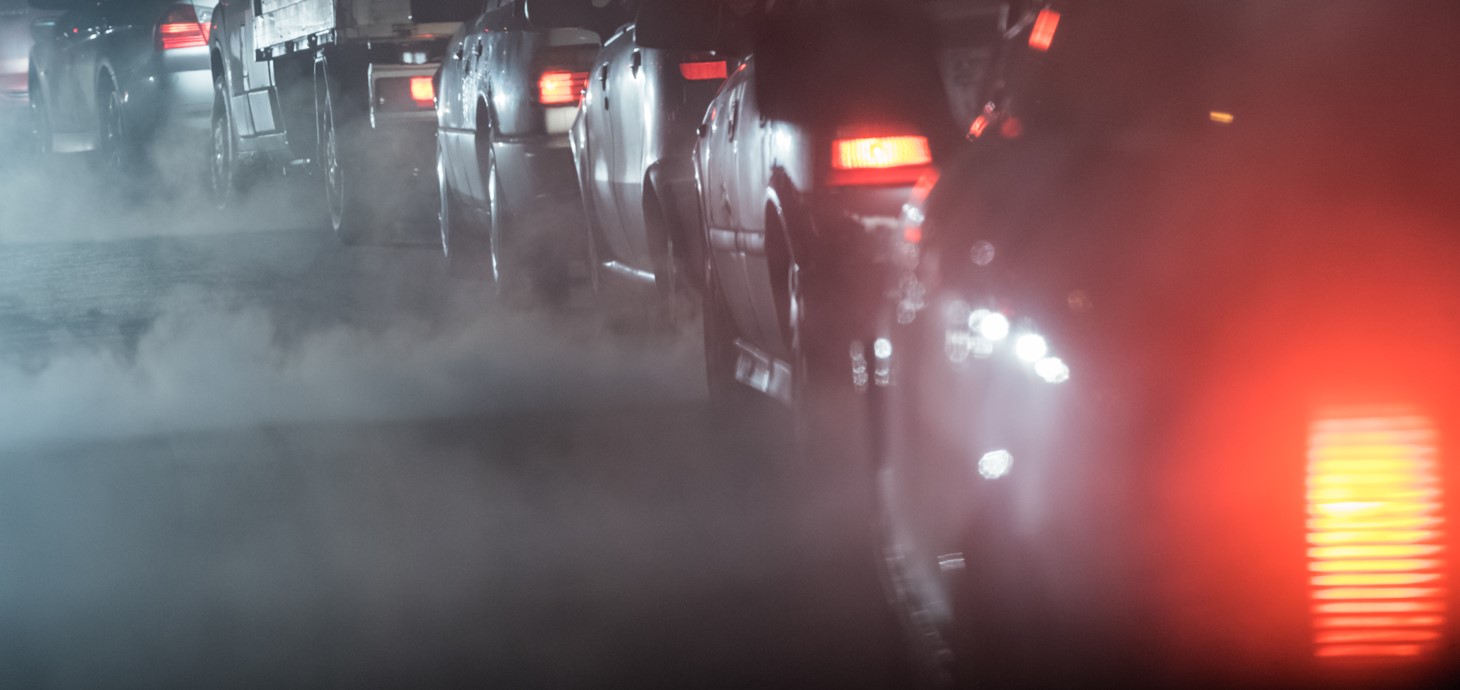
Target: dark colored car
1171 385
805 160
633 143
508 94
112 75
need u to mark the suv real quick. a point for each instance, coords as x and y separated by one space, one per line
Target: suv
633 144
507 94
804 162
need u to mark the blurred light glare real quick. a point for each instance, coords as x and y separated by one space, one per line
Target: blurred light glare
882 348
995 464
1031 347
990 325
1052 370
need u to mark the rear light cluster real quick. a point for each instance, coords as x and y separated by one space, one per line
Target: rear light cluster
184 26
405 94
706 70
1375 536
561 87
879 160
1045 25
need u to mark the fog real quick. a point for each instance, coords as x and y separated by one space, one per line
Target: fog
236 453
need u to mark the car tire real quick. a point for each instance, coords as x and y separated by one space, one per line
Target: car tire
345 190
226 175
117 148
40 119
463 243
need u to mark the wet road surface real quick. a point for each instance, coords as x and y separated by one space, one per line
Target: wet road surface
237 454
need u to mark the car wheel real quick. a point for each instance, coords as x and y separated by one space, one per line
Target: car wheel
345 191
40 120
505 258
461 243
223 166
116 146
670 280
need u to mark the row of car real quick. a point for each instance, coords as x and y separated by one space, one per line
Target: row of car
1139 313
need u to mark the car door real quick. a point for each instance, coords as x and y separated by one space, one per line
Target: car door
452 104
611 79
753 161
721 199
626 84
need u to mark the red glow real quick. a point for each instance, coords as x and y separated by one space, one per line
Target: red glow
180 28
561 87
703 71
423 91
980 124
1042 37
1375 518
880 153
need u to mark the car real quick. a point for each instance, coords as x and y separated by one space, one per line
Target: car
633 142
339 90
115 75
804 161
1170 395
507 95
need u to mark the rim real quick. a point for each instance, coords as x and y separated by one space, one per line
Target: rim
334 182
39 126
111 135
494 227
443 215
222 160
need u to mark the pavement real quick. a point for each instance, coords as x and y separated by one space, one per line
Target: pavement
235 453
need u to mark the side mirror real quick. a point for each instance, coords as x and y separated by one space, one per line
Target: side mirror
691 26
43 29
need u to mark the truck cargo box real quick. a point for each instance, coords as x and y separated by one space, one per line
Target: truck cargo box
285 26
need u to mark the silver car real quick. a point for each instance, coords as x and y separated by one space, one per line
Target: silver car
112 75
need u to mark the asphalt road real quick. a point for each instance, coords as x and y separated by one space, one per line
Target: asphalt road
234 453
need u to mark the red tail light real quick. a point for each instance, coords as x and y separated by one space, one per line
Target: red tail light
880 152
876 160
181 27
561 87
1375 523
704 71
1042 37
423 91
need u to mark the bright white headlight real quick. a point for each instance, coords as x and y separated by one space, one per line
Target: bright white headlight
1052 370
1031 347
995 464
990 325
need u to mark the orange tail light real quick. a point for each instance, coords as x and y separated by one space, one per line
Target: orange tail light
1045 25
423 91
1375 536
561 87
879 160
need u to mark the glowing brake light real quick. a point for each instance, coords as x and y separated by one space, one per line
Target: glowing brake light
1375 528
181 27
1042 37
423 91
561 87
879 160
704 71
880 153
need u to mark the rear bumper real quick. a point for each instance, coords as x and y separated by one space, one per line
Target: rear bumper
536 173
14 114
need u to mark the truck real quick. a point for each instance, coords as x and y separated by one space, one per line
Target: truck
339 92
